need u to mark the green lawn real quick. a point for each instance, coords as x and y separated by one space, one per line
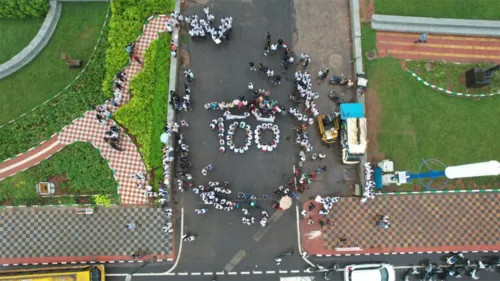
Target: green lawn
76 34
459 9
450 76
80 167
420 123
16 35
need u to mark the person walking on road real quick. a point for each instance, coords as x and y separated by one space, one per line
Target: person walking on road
252 66
423 38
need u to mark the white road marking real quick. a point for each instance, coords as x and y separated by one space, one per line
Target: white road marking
238 257
182 273
298 238
232 273
220 273
283 271
245 272
270 271
294 271
257 272
195 273
208 273
29 158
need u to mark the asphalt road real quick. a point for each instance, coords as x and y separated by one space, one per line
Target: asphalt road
222 73
402 263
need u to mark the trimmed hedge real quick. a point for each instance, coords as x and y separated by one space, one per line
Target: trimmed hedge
85 172
126 23
137 114
21 9
38 125
160 105
145 115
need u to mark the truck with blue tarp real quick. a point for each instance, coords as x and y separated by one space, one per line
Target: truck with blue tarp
353 132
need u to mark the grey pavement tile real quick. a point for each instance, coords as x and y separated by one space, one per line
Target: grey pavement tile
59 231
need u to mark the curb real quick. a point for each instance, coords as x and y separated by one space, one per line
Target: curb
450 93
85 262
171 114
36 45
357 53
439 191
401 253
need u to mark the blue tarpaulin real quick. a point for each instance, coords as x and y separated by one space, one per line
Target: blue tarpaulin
351 110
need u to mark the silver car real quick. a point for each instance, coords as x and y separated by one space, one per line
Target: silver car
369 272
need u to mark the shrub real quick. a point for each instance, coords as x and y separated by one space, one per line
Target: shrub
160 105
136 115
126 23
49 118
145 115
102 200
21 9
81 167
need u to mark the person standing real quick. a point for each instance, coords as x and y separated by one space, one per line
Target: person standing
423 38
250 86
252 66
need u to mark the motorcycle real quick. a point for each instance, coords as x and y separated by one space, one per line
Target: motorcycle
316 268
339 80
413 271
430 271
492 264
475 272
201 211
455 258
188 237
288 253
456 272
331 272
336 97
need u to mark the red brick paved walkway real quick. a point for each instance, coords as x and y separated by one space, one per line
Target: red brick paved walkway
439 47
88 129
420 223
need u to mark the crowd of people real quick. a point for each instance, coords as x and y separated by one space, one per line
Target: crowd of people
369 192
181 103
201 26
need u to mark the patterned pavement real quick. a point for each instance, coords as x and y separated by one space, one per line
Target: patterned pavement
419 223
87 128
52 234
439 47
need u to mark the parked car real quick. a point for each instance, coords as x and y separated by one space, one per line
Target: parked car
371 272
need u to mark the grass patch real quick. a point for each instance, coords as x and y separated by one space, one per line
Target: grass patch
76 34
81 167
16 35
40 124
145 115
457 9
450 76
420 123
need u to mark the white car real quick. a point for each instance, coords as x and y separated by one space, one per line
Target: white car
369 272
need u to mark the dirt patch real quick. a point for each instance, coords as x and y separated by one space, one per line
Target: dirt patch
86 34
57 180
373 113
366 10
403 64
